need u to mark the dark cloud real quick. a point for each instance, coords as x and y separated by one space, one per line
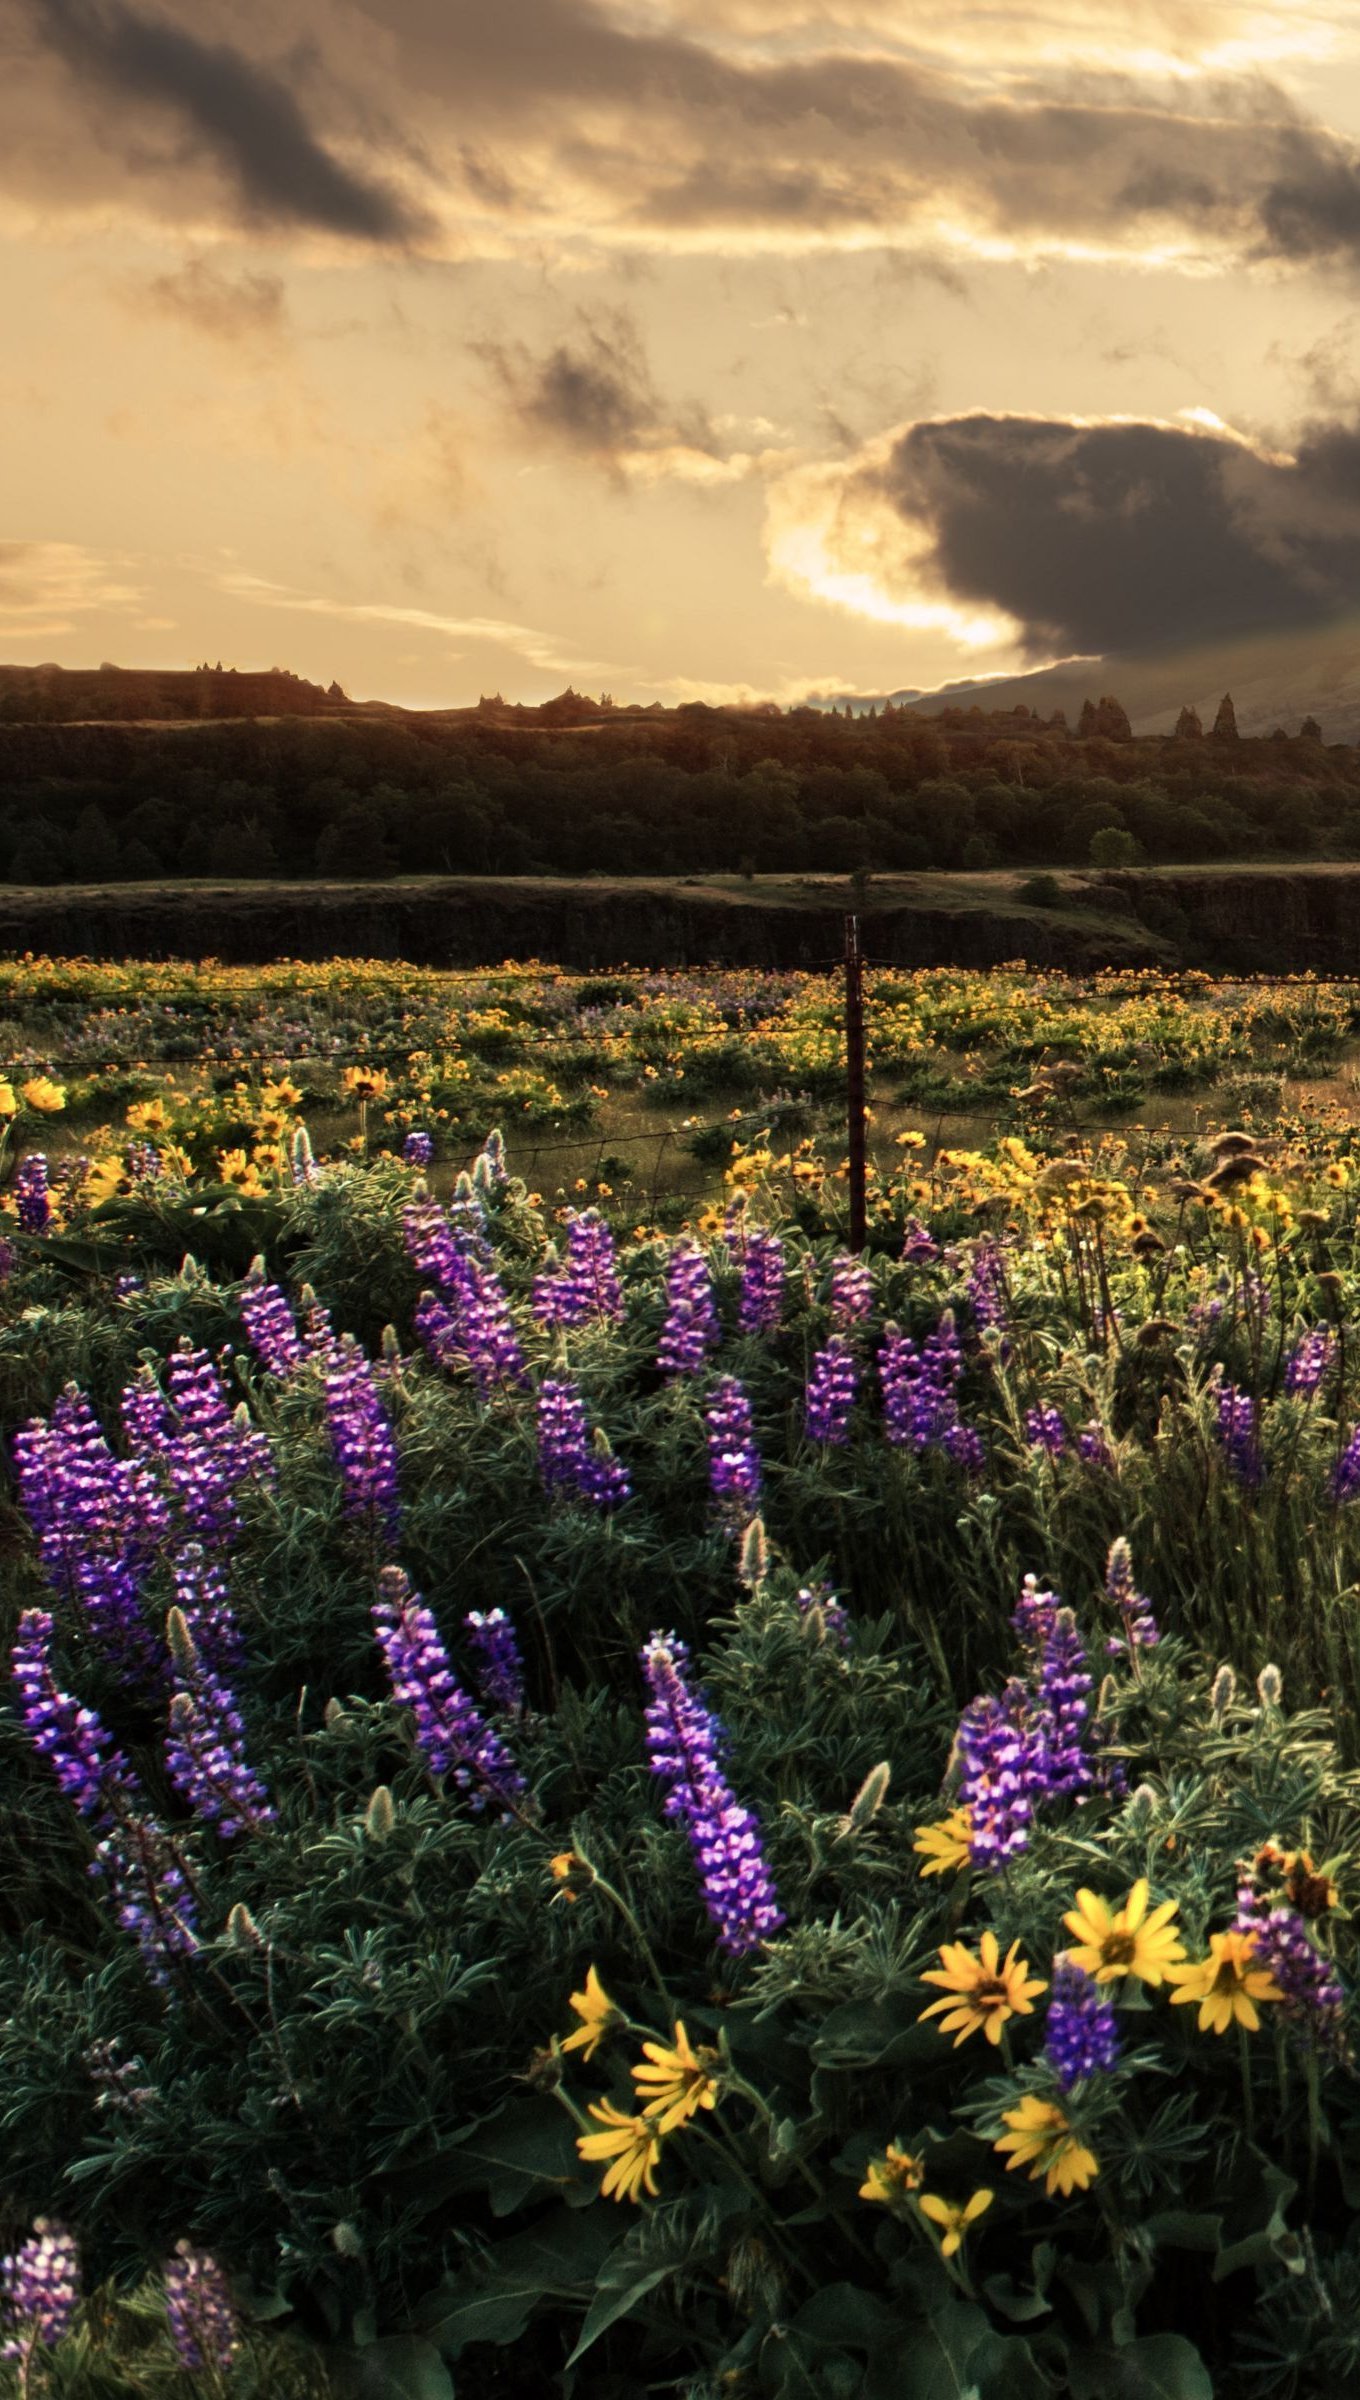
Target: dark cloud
1126 536
240 111
231 308
593 393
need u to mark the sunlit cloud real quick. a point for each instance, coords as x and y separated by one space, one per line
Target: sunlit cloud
540 649
46 586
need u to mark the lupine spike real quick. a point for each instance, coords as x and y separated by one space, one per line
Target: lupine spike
685 1742
451 1735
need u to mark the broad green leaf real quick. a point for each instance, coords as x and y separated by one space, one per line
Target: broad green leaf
400 2367
1161 2366
558 2259
624 2279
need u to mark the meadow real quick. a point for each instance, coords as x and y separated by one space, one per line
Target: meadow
606 1797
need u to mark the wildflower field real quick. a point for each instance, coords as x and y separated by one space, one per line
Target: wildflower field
604 1797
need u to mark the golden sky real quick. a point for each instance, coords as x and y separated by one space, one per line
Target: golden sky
675 348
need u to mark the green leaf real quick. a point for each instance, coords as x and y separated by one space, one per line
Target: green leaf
624 2279
558 2259
848 2318
526 2144
400 2367
1162 2366
865 2033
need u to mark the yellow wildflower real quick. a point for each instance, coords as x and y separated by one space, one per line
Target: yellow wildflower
631 2143
42 1093
952 2219
597 2014
365 1083
9 1106
676 2080
1129 1941
886 2178
1042 2139
945 1846
148 1116
982 1993
1226 1984
240 1172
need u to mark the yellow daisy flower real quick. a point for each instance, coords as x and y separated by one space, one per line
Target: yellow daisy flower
148 1116
42 1093
365 1083
633 2144
886 2178
1132 1940
945 1846
982 1993
9 1105
597 2013
952 2219
1042 2139
676 2080
1226 1984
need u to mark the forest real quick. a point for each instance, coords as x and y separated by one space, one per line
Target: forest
695 790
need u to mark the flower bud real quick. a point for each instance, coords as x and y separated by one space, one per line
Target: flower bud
1222 1693
380 1816
1270 1687
242 1930
870 1797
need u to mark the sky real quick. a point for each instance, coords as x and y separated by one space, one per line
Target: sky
676 349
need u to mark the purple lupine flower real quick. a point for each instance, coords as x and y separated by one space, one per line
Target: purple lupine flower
1346 1472
497 1662
685 1744
986 1285
467 1219
418 1148
91 1770
999 1753
201 1592
33 1205
691 1329
1135 1610
1056 1660
1045 1430
761 1257
573 1465
271 1328
832 1387
452 1736
206 1749
1314 2001
99 1521
733 1460
430 1243
152 1898
920 1401
362 1439
39 2291
1081 2036
203 2323
1093 1447
852 1291
1239 1433
211 1451
587 1283
1309 1361
832 1612
919 1247
126 1287
486 1330
489 1171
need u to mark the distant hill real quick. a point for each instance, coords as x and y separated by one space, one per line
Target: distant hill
1276 679
52 695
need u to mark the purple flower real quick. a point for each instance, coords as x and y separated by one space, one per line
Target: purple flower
852 1292
418 1148
691 1329
497 1662
1045 1430
1139 1623
198 2304
451 1736
88 1766
40 2290
1309 1361
831 1390
1093 1449
1314 2002
919 1386
733 1461
919 1247
1056 1660
430 1243
99 1522
1081 2036
33 1205
489 1171
362 1439
1346 1472
271 1328
998 1750
206 1749
833 1614
474 1330
684 1746
986 1285
572 1465
1240 1435
761 1256
152 1899
203 1449
586 1284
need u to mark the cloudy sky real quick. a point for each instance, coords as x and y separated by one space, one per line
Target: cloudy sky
675 348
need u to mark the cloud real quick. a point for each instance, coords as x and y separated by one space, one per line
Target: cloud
541 649
242 112
43 585
1042 538
246 308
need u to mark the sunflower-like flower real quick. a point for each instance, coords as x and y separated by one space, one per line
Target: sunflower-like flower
892 2174
42 1094
945 1846
1041 2138
597 2013
983 1991
631 2144
365 1083
1132 1940
676 2080
1227 1984
954 2217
